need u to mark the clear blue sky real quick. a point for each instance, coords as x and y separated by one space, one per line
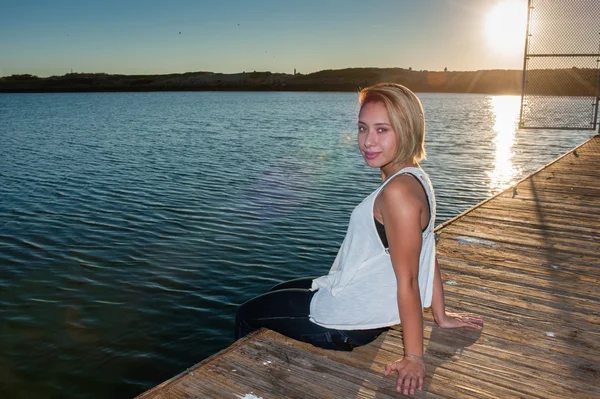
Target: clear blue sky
51 37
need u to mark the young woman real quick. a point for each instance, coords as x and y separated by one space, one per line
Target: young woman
386 269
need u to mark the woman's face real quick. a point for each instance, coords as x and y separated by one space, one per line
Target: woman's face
376 139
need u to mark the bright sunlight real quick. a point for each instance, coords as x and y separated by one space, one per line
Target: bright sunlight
505 26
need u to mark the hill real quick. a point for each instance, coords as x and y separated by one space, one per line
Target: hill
570 81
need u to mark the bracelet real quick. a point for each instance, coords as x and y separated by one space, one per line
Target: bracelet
415 356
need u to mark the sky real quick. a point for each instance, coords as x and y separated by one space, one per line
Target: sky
44 37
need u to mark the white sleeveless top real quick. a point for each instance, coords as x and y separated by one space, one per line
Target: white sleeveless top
360 291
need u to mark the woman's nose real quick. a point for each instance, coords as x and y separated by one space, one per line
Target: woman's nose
371 138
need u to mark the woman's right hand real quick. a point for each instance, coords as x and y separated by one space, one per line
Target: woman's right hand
411 373
459 320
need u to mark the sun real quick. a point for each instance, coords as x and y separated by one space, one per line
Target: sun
506 25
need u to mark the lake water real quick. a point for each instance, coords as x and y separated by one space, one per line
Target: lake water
132 225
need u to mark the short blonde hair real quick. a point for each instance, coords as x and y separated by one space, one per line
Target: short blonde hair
406 117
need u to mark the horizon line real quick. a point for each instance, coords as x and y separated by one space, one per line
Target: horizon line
253 71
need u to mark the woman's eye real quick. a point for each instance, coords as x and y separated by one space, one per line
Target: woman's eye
381 130
361 129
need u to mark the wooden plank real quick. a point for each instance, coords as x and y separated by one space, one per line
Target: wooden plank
545 282
572 202
462 246
585 235
582 225
527 289
564 244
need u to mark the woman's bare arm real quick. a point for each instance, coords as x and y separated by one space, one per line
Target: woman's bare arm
401 211
438 307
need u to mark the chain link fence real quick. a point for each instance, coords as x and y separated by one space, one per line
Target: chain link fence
561 73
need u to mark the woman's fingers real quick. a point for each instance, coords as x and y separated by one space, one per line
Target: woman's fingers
403 379
389 369
393 366
470 323
472 318
474 322
412 386
408 384
399 384
404 385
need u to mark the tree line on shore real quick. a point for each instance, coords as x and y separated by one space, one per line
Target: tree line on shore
572 81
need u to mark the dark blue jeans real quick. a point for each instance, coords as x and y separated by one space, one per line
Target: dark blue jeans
285 309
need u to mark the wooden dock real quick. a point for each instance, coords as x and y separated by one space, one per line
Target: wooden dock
527 260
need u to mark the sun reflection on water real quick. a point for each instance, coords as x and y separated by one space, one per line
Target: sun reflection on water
506 114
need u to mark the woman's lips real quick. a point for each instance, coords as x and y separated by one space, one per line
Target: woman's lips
371 155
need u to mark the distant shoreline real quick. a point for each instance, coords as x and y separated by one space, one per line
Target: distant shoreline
571 82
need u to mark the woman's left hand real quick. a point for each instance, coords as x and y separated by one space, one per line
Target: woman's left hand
460 320
411 372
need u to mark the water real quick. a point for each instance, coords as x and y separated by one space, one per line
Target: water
133 224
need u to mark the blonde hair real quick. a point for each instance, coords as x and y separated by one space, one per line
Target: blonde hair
406 117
